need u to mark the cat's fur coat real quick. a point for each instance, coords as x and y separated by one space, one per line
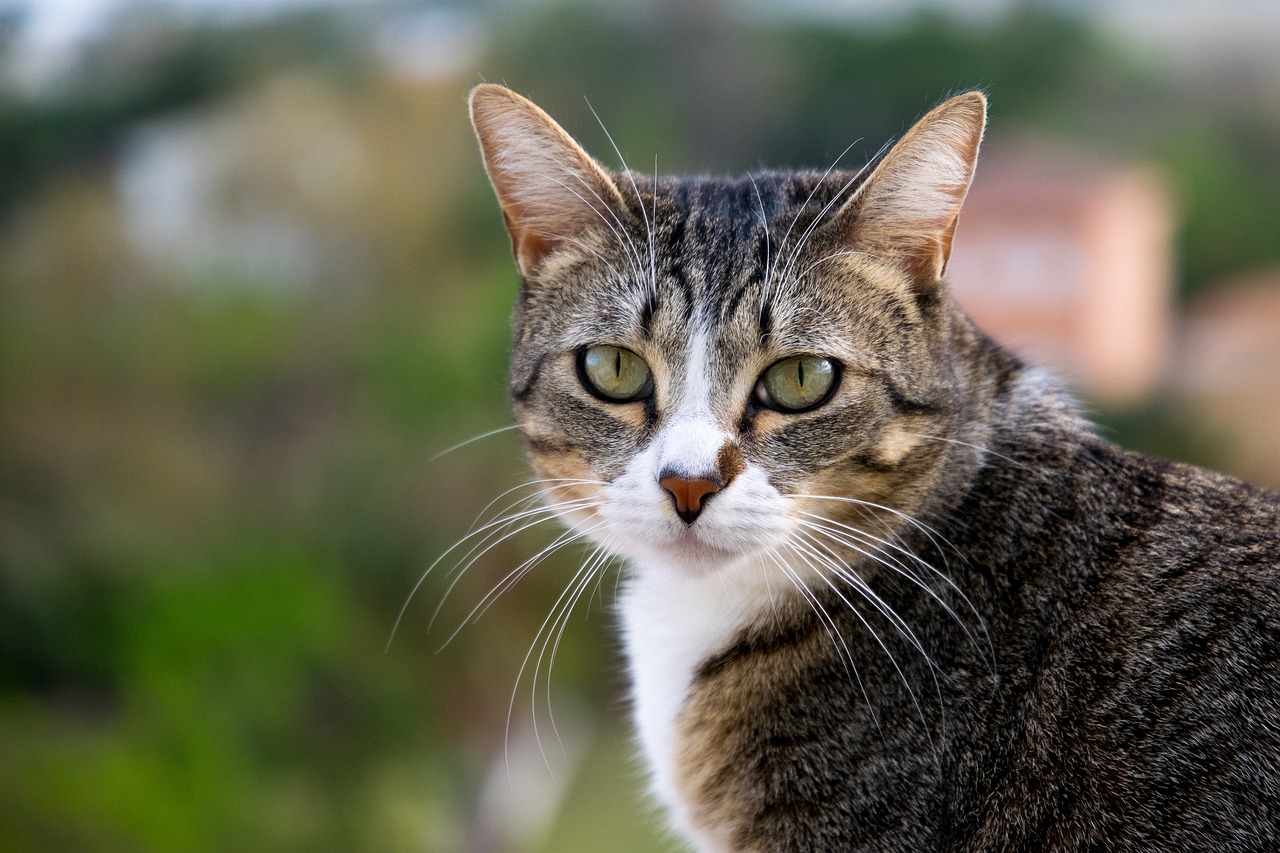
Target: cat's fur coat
932 612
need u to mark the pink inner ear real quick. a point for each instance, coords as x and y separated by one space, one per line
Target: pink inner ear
908 207
550 190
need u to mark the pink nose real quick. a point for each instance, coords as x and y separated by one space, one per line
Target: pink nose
689 494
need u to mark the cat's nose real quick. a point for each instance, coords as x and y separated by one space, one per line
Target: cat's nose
689 494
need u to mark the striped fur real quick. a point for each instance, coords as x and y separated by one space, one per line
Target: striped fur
932 612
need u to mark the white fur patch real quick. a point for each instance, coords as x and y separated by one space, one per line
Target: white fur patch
692 587
672 621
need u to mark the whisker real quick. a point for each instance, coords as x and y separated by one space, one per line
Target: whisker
485 531
812 192
932 534
597 564
653 258
648 226
978 447
472 440
860 584
861 537
513 577
817 220
580 581
616 226
501 528
832 562
587 247
807 547
515 688
829 626
768 243
557 616
835 199
830 257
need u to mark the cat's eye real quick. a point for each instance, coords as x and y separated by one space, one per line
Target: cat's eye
797 384
614 374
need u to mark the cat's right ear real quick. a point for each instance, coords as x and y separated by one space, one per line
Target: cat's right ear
906 209
551 191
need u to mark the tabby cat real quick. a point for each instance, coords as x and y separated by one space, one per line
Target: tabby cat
886 590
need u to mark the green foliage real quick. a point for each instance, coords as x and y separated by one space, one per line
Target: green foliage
246 698
1029 63
1229 204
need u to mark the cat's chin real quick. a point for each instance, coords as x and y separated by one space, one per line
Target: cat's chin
694 553
686 553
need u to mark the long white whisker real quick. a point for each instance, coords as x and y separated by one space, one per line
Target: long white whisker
812 192
581 580
806 547
515 688
768 243
616 226
485 531
514 576
828 625
648 225
831 561
501 528
562 605
596 564
474 438
653 258
978 447
829 257
855 538
587 247
861 586
933 535
817 220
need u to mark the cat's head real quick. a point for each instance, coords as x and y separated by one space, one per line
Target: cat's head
713 372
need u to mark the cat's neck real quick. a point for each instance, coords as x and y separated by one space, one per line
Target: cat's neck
671 622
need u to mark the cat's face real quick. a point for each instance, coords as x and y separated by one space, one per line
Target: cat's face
711 373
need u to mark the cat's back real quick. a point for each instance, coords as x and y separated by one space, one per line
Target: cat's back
1137 613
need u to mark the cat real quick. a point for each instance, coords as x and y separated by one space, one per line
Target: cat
886 589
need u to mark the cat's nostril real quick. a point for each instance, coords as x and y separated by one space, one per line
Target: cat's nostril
689 494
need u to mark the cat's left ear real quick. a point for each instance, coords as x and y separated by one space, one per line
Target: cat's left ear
907 208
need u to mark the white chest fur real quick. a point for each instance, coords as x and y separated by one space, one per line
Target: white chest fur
671 623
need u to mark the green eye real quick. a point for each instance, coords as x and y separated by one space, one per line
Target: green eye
797 384
614 374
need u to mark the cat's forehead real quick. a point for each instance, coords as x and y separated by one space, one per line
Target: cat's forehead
729 258
712 208
724 261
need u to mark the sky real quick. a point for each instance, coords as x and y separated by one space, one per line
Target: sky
55 22
54 28
59 21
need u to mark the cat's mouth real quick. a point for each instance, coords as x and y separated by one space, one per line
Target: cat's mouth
702 550
693 544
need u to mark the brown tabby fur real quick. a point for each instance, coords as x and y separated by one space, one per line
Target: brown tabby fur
1092 655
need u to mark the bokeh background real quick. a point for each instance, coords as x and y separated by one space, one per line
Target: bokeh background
253 285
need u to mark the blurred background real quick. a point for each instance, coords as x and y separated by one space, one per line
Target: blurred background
253 284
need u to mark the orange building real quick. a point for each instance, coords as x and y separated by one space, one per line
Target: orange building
1069 261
